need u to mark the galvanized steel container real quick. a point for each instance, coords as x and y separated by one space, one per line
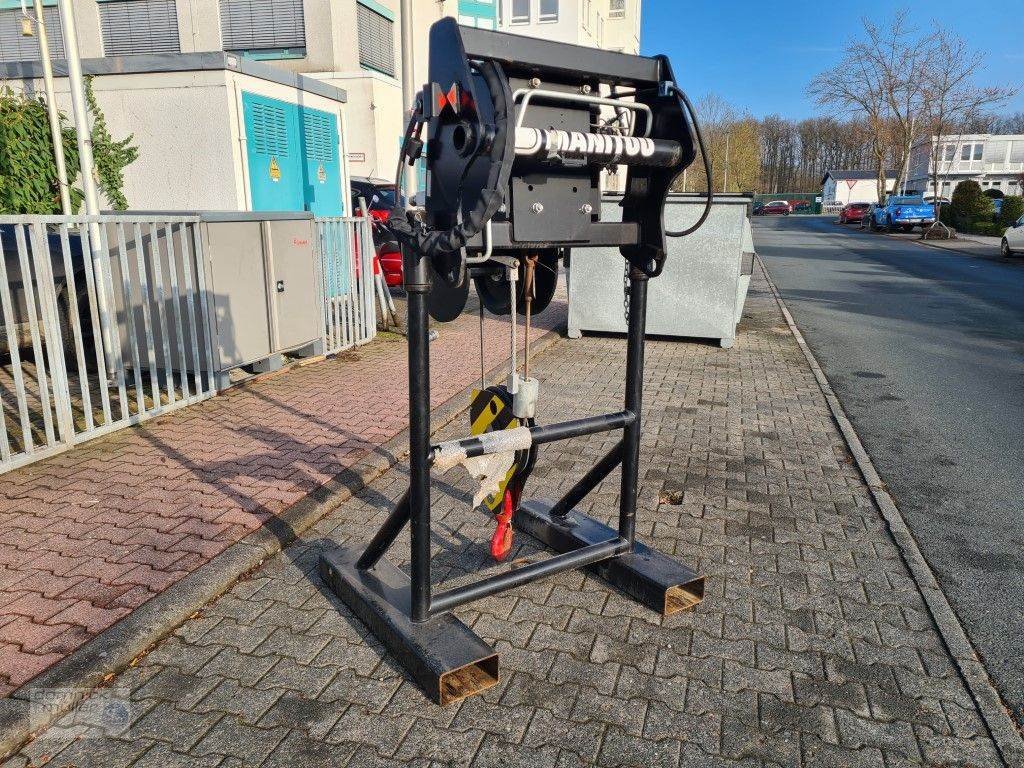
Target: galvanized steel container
702 290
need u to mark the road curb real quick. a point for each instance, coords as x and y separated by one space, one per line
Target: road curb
935 245
115 648
998 721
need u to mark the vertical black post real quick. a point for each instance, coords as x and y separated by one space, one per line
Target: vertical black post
634 396
417 284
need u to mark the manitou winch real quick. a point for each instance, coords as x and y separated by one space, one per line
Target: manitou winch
516 132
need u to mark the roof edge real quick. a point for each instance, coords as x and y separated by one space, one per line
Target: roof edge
179 62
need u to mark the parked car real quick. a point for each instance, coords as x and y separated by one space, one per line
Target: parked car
853 213
380 200
20 326
903 212
1013 239
379 195
776 208
758 208
867 216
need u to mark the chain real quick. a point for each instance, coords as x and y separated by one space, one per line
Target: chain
625 294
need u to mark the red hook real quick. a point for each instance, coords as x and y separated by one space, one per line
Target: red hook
501 541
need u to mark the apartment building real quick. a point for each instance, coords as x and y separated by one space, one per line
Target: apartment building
994 161
349 47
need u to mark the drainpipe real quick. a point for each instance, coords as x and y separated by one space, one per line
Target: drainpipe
51 109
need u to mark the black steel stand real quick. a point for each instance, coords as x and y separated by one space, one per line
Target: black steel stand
443 655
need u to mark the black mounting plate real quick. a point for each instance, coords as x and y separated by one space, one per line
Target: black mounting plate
444 656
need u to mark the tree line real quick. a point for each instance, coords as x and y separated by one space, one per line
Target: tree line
894 87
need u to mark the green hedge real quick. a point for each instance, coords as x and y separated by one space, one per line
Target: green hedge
986 228
1013 209
28 174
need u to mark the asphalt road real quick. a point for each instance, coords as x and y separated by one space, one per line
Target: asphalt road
925 349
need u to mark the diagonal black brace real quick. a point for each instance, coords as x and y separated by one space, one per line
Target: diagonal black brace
385 537
588 482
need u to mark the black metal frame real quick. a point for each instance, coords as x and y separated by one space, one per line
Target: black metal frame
444 656
441 653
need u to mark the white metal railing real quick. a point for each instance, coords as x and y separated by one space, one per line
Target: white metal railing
346 280
832 208
103 323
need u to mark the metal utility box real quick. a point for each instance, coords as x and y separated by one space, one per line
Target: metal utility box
261 271
702 290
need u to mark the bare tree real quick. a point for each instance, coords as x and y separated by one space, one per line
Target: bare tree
860 84
952 99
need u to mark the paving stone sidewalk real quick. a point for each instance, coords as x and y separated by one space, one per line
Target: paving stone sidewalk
91 534
812 647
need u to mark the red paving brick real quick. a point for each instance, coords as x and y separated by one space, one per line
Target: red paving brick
89 535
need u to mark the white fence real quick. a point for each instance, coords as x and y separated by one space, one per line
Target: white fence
346 274
103 323
831 209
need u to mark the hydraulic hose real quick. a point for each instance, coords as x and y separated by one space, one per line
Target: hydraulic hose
685 100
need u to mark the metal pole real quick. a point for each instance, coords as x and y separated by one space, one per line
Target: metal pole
408 87
725 178
51 108
634 402
79 107
417 283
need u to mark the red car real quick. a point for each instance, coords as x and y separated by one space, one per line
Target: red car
777 208
390 258
853 213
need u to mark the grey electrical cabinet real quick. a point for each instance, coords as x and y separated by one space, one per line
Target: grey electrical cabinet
702 289
261 278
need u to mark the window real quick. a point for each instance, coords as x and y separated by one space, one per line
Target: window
520 11
261 25
14 47
949 150
978 150
548 10
139 26
965 152
376 40
1017 152
617 9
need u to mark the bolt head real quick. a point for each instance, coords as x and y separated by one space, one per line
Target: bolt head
535 82
537 208
586 209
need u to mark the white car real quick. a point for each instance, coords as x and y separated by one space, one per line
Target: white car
1013 238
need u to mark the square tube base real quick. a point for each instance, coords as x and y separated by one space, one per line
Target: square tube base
646 575
444 656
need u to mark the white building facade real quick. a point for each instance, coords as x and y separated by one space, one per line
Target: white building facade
350 45
994 161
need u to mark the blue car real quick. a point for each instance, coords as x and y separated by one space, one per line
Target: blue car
903 212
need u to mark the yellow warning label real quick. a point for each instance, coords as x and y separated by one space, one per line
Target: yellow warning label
275 170
487 413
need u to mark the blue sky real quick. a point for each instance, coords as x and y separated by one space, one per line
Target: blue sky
760 56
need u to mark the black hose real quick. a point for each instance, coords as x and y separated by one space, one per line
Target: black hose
707 166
